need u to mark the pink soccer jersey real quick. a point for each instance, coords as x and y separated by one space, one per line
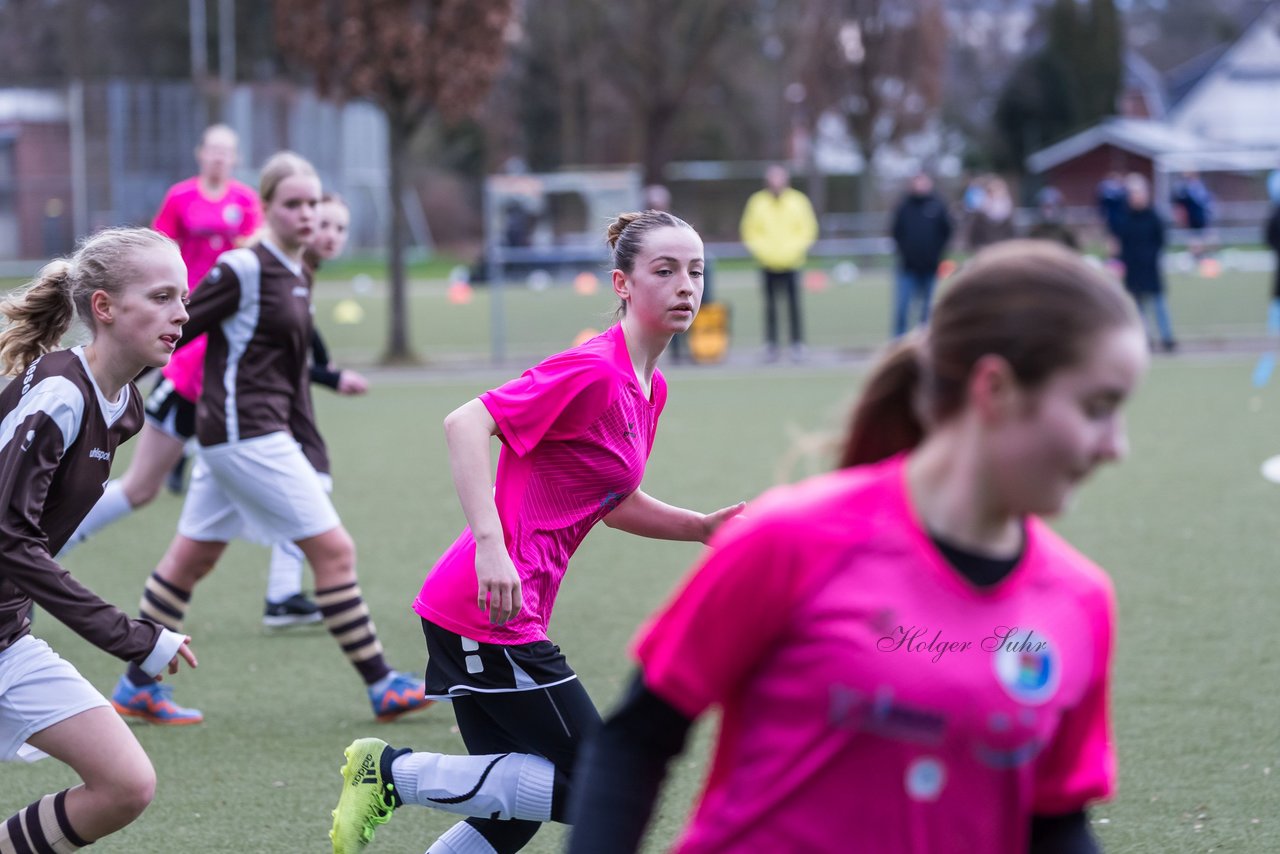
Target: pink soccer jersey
576 432
203 228
873 699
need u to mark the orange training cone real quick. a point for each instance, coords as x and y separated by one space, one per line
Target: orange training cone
816 281
459 293
584 336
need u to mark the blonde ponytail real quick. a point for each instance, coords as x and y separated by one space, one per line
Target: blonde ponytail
40 313
38 316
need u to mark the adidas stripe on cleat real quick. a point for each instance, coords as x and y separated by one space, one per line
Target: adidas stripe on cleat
368 795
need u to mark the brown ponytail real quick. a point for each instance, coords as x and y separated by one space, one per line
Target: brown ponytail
1033 303
886 418
38 316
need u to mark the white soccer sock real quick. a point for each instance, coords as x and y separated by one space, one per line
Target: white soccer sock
111 506
284 574
462 838
504 786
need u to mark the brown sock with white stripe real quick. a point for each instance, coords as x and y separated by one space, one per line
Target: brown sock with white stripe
346 616
40 828
165 603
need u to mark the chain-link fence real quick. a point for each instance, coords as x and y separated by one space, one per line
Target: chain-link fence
103 153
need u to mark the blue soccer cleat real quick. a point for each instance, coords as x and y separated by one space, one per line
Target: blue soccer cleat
402 695
152 703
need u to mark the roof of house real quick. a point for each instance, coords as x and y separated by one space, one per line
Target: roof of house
1234 101
1141 136
1170 148
32 105
1142 74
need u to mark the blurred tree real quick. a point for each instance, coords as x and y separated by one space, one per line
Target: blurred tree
1071 82
877 62
411 58
1172 32
615 81
657 53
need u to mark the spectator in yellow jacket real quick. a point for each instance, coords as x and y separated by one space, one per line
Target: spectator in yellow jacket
778 227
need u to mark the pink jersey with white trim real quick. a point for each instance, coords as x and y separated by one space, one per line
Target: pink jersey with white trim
576 433
204 228
873 699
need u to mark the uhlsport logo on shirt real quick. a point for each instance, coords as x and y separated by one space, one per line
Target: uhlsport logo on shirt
99 454
1026 663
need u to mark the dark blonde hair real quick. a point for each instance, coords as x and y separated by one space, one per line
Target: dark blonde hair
42 311
1034 303
281 165
626 237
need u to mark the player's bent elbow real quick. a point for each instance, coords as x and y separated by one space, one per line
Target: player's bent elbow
472 416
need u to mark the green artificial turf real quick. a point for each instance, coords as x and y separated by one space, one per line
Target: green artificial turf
1186 527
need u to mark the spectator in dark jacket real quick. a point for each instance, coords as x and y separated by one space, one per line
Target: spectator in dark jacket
1196 202
921 229
1273 240
1111 199
1141 234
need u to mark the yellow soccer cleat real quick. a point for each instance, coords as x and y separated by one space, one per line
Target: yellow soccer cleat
368 797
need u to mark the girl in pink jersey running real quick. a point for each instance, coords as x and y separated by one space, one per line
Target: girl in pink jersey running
62 418
576 431
907 659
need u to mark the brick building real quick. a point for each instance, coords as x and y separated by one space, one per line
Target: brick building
35 183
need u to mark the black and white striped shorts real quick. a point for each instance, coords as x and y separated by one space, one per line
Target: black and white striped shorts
457 666
170 412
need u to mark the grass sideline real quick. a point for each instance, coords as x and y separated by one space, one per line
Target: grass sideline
1185 527
844 317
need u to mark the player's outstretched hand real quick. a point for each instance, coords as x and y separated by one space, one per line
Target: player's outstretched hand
712 521
185 652
350 382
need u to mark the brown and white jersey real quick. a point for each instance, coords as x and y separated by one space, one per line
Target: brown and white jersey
58 435
255 305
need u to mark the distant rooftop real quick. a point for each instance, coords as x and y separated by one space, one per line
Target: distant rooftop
32 105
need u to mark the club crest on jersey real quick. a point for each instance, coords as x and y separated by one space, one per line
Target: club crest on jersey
1026 663
232 215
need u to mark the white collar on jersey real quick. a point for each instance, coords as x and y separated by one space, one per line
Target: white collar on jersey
294 267
111 410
